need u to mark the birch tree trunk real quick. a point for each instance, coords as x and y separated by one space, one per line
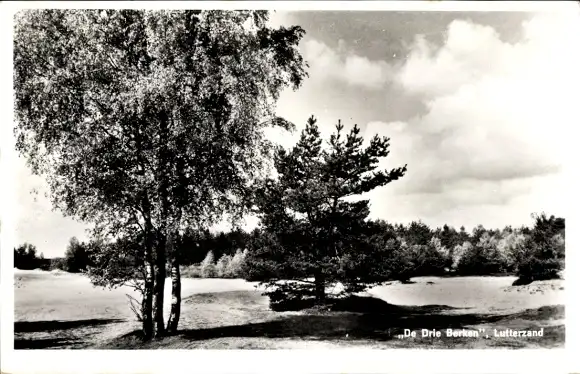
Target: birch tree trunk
147 303
161 243
158 290
173 321
149 281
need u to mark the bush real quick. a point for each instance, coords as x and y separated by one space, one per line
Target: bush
76 256
291 296
508 248
258 265
208 269
236 265
191 271
458 253
544 260
403 262
419 260
58 264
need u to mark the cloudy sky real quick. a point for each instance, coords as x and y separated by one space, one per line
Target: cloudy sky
476 104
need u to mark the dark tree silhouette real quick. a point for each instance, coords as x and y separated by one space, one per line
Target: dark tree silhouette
25 257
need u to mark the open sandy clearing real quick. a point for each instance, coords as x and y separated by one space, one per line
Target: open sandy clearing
55 310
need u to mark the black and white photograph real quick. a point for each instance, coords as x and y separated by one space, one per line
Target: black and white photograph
204 177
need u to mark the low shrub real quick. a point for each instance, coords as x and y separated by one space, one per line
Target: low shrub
59 264
191 271
44 264
208 266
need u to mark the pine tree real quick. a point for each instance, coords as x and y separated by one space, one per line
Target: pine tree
321 237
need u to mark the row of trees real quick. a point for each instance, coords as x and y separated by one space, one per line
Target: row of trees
418 250
26 257
75 260
485 252
226 266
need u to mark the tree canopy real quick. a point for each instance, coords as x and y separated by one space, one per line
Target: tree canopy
149 121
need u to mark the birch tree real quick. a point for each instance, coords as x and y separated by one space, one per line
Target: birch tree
149 120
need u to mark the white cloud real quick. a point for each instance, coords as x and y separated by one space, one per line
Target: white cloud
326 63
341 65
497 122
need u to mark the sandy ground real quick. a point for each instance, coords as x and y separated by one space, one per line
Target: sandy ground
62 296
40 295
479 294
59 296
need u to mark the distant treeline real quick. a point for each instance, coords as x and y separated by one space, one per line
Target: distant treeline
419 250
26 257
414 250
76 258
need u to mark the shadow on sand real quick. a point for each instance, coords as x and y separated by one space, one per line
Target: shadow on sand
359 317
364 318
47 343
44 326
25 330
368 318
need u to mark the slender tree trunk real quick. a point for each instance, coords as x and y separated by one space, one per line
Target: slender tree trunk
160 250
173 321
158 290
147 303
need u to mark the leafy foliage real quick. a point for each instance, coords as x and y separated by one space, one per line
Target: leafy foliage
542 255
76 256
96 90
225 267
149 121
58 263
208 268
